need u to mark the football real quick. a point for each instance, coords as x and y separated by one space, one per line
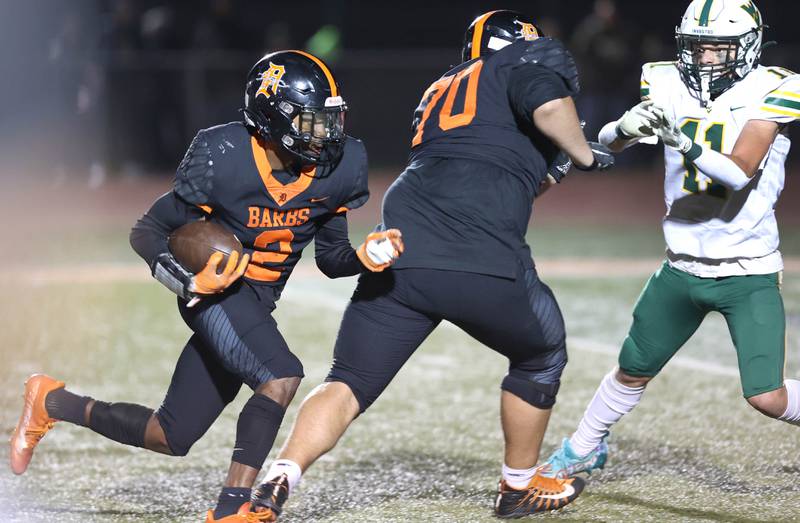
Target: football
192 244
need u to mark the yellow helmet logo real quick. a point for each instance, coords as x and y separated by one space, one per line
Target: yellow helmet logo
270 80
528 31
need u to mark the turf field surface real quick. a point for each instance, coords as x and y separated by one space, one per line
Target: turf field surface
83 309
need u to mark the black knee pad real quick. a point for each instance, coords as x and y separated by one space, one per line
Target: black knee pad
256 430
122 422
540 395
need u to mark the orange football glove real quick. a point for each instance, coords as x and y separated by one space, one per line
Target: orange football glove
208 281
380 249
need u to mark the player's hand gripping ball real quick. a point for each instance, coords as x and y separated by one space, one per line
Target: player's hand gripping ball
203 248
194 243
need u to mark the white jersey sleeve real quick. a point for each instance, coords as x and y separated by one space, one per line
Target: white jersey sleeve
655 80
780 104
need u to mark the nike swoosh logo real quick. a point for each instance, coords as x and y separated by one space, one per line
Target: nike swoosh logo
568 491
314 200
737 108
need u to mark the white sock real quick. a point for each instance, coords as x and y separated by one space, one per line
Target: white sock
285 466
792 414
611 401
518 478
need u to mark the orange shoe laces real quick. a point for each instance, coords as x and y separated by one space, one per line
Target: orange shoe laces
38 433
547 485
257 517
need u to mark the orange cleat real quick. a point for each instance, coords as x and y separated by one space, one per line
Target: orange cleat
34 422
542 494
243 515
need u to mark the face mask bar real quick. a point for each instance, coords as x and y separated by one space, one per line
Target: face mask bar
319 134
718 76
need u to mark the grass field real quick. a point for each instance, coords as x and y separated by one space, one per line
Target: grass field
430 449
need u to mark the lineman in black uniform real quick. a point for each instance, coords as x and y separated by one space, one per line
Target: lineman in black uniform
484 135
285 175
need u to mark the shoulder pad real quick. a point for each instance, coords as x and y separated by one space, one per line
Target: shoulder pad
194 177
356 190
653 73
552 54
782 103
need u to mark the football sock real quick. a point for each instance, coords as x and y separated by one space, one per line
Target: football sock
792 414
611 401
230 499
518 478
256 430
122 422
66 406
288 467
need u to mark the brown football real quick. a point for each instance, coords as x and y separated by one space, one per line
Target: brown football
192 244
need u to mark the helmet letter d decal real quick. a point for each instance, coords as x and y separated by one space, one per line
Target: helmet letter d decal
270 80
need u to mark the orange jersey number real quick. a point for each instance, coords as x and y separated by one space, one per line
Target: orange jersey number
450 85
283 237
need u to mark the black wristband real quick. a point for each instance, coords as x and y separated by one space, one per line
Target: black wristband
694 152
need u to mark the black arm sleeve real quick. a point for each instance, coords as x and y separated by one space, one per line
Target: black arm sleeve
149 235
333 253
532 85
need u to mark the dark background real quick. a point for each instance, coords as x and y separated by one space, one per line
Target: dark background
100 89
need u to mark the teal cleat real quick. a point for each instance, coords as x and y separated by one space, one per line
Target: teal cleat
564 463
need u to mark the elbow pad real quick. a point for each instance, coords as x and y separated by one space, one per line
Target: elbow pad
173 275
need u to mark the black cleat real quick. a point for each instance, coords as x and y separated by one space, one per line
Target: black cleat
270 496
541 495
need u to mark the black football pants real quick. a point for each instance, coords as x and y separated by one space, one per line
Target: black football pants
391 313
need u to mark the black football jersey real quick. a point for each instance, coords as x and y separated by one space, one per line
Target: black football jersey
482 109
275 215
464 201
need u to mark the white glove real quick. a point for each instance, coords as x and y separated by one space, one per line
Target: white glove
380 251
640 120
671 134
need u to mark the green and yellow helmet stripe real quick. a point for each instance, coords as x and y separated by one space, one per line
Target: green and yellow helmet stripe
704 14
477 34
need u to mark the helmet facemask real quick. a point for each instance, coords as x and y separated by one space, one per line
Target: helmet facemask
292 101
735 59
731 29
316 135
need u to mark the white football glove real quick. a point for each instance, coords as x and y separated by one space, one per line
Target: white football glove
640 120
671 134
380 249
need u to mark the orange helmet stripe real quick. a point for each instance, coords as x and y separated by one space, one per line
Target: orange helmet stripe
324 68
477 34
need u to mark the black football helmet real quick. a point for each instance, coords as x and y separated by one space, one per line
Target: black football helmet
292 99
494 30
